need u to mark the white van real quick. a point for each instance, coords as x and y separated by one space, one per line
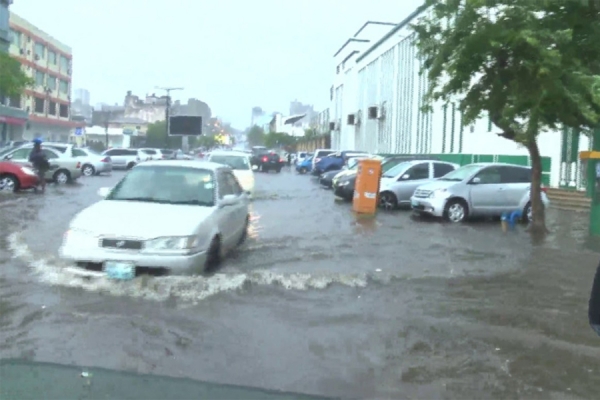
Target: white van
239 163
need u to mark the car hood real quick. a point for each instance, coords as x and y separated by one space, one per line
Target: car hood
139 219
437 184
331 174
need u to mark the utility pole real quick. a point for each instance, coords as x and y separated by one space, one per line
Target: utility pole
168 112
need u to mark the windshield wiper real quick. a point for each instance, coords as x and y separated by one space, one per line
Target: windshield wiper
450 179
144 199
191 203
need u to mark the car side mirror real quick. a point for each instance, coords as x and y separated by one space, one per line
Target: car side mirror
405 177
476 181
227 200
255 168
8 157
104 191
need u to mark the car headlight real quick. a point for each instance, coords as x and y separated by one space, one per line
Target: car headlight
172 243
345 183
28 171
80 238
439 194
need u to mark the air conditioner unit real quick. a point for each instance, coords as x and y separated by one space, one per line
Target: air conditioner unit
351 119
373 112
332 126
37 58
22 51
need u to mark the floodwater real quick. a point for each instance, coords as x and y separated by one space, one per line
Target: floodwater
317 302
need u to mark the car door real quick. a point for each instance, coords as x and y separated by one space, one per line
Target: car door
226 214
414 177
53 158
240 208
518 184
487 195
116 156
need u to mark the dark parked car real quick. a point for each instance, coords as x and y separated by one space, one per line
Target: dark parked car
269 161
326 178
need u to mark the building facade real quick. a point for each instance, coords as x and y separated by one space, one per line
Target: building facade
376 100
48 102
4 25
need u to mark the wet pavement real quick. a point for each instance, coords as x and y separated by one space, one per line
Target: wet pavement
317 302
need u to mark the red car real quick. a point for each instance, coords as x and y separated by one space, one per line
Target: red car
15 177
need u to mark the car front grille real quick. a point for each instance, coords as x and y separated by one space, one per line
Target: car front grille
423 194
121 244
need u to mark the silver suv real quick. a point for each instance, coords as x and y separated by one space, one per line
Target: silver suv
125 158
483 189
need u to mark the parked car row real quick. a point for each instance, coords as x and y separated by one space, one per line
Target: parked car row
434 187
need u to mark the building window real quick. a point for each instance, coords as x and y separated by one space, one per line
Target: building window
52 108
4 16
38 106
40 50
40 78
16 38
64 111
63 86
64 63
51 82
52 57
15 102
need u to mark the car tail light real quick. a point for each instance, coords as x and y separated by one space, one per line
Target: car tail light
78 165
105 159
265 159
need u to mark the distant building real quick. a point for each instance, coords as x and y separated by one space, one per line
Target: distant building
4 26
83 95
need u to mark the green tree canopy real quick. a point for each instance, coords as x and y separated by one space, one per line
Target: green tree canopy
256 136
156 136
279 139
13 81
530 66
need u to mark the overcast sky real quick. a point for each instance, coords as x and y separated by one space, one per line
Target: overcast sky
233 54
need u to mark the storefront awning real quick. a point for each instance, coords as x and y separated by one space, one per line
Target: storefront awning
13 116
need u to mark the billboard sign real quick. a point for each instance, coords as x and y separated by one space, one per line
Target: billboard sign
185 125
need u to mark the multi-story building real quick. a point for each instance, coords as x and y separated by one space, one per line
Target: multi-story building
4 30
48 62
83 95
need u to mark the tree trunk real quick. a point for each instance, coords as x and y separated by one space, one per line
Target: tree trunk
538 223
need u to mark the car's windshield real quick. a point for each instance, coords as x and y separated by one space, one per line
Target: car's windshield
166 151
462 173
239 163
166 184
149 151
92 152
397 170
6 150
390 163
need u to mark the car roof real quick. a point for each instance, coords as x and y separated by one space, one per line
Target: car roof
184 163
499 164
228 153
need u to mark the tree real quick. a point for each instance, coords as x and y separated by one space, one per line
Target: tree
156 136
279 139
13 81
310 133
256 136
531 66
207 142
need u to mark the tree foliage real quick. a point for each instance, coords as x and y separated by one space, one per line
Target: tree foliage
530 66
13 81
156 136
256 136
310 133
279 139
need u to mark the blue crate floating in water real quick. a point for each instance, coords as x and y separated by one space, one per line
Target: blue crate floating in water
511 218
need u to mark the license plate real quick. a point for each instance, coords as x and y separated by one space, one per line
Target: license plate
123 271
414 203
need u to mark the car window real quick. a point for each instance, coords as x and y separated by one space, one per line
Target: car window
419 171
490 175
441 169
398 169
21 154
515 175
79 153
148 151
233 182
225 186
239 163
62 149
49 154
166 184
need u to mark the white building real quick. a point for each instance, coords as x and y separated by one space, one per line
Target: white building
376 97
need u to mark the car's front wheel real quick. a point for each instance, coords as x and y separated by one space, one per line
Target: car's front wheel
456 211
213 256
8 183
388 201
303 170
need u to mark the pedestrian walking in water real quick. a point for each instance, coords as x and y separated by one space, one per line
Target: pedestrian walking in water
40 162
594 306
289 159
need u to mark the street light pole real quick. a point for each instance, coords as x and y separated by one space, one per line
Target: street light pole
168 111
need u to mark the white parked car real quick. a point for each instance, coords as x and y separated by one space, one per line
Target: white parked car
239 163
175 217
92 163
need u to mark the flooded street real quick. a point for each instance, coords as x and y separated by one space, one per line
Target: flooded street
317 302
